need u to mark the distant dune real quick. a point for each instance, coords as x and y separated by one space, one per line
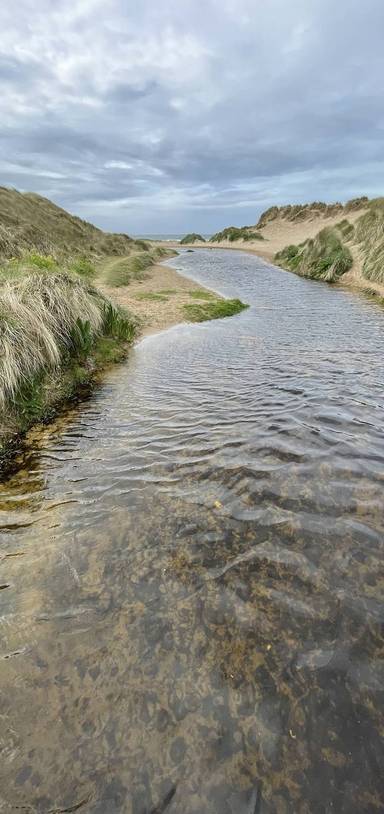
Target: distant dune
330 242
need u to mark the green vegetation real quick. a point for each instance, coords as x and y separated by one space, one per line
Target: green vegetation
233 233
31 223
84 268
129 269
324 258
201 294
328 257
56 330
300 212
346 229
193 237
369 236
214 309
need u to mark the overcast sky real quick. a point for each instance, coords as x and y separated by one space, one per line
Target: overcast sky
171 115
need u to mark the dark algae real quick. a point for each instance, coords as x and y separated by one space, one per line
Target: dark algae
195 625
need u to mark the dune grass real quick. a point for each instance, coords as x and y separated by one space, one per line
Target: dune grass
329 255
369 236
134 267
214 309
326 257
192 237
233 233
55 329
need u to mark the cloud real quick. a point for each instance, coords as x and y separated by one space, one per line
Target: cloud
191 115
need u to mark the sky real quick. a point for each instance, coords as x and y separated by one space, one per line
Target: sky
167 116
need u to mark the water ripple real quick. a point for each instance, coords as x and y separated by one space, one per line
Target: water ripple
193 563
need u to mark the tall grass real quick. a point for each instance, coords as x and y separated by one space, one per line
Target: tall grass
370 239
46 318
323 258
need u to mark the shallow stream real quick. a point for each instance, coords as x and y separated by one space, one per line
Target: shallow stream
191 569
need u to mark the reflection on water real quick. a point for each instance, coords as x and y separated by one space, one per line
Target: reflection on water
191 570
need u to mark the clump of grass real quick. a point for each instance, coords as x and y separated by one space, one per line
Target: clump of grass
117 324
142 245
192 237
323 258
233 233
41 261
201 294
84 268
168 291
82 338
346 228
47 319
369 235
199 312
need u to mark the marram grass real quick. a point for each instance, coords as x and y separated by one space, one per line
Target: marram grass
49 320
326 257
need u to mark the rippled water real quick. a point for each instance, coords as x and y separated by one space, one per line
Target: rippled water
192 570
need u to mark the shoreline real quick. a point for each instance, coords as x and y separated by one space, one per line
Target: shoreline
352 280
156 303
158 300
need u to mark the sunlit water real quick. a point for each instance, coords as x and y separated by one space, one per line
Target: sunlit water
192 569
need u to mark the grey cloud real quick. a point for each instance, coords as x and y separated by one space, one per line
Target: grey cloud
216 110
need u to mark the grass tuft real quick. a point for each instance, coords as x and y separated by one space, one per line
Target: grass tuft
199 312
50 321
323 258
84 268
192 237
233 233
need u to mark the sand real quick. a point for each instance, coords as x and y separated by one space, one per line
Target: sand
281 232
156 315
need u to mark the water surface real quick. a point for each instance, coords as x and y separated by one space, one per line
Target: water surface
192 569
